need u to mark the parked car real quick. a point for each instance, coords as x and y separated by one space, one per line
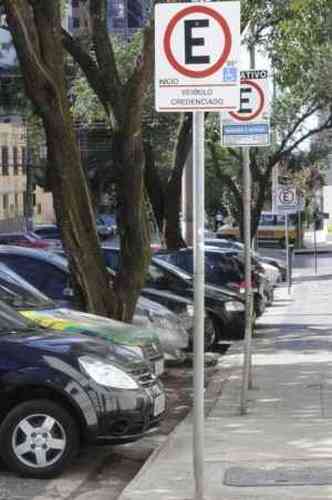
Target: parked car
49 273
224 308
104 230
58 391
222 268
26 239
236 245
47 231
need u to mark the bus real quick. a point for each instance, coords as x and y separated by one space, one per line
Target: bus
271 228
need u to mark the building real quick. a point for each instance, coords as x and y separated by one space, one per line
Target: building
13 174
125 17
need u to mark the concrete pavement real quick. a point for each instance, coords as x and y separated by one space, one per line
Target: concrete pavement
283 446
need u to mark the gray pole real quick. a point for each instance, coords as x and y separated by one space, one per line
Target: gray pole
187 200
287 250
247 244
315 248
199 201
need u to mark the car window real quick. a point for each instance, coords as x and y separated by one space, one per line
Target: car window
112 258
162 279
185 261
42 275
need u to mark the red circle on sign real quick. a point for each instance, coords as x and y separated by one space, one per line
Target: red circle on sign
169 31
260 107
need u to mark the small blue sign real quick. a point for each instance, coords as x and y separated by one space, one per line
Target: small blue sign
257 129
230 74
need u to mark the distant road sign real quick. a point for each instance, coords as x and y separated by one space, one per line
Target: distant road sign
197 53
250 124
287 199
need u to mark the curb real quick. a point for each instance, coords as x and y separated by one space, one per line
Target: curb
311 251
212 394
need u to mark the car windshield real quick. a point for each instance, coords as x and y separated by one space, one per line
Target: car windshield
18 293
169 267
11 321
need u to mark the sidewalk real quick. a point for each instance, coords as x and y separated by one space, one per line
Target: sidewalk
283 447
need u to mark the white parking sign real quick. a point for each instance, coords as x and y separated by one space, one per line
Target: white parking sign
197 53
286 199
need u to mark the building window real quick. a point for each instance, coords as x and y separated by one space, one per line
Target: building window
76 22
15 160
5 202
24 160
75 4
5 163
16 203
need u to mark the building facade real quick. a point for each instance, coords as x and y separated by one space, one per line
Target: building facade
125 17
13 178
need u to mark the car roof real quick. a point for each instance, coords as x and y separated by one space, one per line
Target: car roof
43 255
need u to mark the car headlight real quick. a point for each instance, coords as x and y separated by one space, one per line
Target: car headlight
136 350
234 306
106 374
190 310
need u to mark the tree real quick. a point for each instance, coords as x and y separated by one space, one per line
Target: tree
35 27
296 36
123 103
291 121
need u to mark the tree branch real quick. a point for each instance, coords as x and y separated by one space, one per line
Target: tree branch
141 78
105 56
88 65
281 154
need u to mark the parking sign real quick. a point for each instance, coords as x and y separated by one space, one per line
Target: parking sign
197 53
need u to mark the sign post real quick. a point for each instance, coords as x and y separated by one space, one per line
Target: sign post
248 296
248 126
287 203
197 54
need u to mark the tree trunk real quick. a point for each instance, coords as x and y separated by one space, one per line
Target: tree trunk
36 31
133 223
154 188
172 228
75 216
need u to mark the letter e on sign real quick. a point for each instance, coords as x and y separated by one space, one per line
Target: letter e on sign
198 46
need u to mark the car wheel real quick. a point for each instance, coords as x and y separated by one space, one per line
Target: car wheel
210 333
38 439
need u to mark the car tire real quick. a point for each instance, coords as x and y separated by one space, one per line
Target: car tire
210 333
38 439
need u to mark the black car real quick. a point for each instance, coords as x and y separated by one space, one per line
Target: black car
224 307
222 268
60 391
49 273
227 244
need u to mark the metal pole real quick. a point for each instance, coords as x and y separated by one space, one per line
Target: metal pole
199 201
315 248
287 250
248 297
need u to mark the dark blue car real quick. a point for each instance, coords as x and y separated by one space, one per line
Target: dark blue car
59 391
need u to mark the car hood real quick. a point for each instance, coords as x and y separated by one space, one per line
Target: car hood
32 344
71 321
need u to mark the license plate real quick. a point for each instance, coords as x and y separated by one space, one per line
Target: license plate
159 405
159 367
